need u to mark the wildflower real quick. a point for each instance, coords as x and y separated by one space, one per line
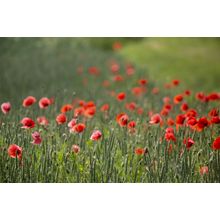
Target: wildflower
72 123
184 107
216 144
122 119
204 170
180 119
44 102
36 138
202 123
188 142
96 135
177 99
66 108
169 136
105 108
27 123
30 100
142 82
15 151
116 46
61 118
176 82
139 151
78 128
76 149
121 96
155 119
6 107
42 120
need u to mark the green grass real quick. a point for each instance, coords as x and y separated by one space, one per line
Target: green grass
195 61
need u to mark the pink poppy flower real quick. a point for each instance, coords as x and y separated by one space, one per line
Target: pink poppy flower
75 149
6 107
44 102
155 119
42 120
96 135
36 138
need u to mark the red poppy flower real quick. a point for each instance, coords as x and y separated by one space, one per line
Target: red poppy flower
204 170
118 78
138 91
184 107
140 111
30 100
180 119
170 122
27 123
216 144
131 124
15 151
78 128
178 98
36 138
130 70
155 119
122 119
191 121
176 82
89 104
169 130
42 120
93 70
139 151
215 120
202 123
142 82
96 135
76 149
166 100
188 142
44 102
155 91
78 111
6 107
115 67
131 106
187 92
213 96
61 118
169 136
201 97
66 108
121 96
105 108
117 46
213 112
90 112
191 113
164 112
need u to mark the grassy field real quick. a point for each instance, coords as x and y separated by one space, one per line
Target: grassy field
146 133
195 61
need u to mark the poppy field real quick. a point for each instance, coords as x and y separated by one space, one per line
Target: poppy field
74 114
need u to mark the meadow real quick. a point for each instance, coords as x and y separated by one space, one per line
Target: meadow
109 110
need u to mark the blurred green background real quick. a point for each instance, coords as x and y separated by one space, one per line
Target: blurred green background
38 65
